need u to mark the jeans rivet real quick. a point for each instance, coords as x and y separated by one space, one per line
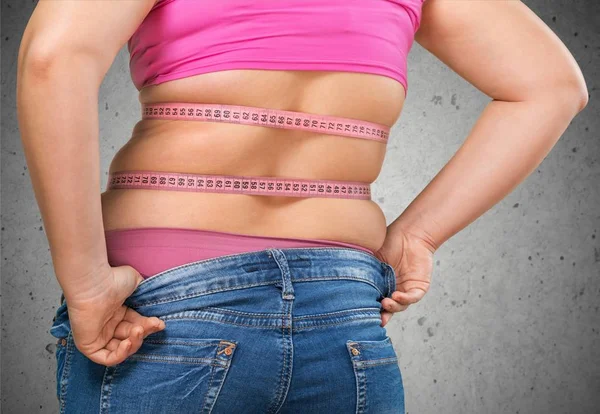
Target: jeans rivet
355 351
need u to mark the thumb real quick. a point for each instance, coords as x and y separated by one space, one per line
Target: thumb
126 279
407 298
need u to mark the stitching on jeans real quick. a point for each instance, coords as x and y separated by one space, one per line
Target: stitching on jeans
391 279
365 315
320 278
296 329
374 344
284 371
219 385
66 371
199 318
275 253
388 276
107 381
174 359
110 385
283 367
258 315
205 292
210 310
213 311
291 369
224 372
375 362
102 390
278 394
324 315
192 317
356 381
243 255
214 316
378 319
210 385
361 383
183 342
237 287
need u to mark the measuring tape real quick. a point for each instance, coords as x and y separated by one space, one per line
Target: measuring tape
275 118
274 186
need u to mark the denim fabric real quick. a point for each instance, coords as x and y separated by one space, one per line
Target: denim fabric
292 330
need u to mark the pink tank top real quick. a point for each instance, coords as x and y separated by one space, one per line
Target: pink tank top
181 38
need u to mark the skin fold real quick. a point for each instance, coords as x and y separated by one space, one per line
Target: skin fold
500 46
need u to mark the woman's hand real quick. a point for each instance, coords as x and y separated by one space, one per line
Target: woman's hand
411 256
104 330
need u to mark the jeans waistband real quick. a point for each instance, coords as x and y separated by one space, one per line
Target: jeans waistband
281 267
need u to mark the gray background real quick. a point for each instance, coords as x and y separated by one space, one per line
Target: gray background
511 323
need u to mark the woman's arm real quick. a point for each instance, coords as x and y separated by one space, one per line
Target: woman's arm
504 50
66 50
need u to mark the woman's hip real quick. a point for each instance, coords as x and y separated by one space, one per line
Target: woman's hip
313 218
276 330
250 286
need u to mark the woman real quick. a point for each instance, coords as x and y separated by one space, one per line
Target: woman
235 261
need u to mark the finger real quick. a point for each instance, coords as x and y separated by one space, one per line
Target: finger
123 330
150 324
113 344
134 330
136 337
385 317
391 305
408 298
124 333
109 328
120 354
107 357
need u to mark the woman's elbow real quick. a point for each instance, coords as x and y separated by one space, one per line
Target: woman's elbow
573 92
582 98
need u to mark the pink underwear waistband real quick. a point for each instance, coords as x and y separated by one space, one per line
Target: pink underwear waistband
152 250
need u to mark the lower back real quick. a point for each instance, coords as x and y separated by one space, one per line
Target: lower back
248 150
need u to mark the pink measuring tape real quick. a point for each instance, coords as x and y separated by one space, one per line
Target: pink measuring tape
274 186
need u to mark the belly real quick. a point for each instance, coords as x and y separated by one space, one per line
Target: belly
231 149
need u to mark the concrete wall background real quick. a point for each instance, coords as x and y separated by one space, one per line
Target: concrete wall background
511 323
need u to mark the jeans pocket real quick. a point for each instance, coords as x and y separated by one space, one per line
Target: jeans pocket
169 375
390 279
61 330
379 387
61 326
60 353
65 347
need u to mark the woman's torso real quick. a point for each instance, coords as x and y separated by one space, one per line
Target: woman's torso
233 149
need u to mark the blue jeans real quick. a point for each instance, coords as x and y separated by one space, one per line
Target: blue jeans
292 330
